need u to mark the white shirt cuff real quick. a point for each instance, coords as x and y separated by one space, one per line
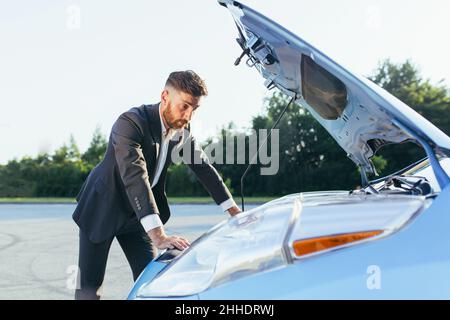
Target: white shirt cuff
227 204
150 222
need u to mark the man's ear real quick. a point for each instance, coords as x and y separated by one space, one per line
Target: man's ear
165 95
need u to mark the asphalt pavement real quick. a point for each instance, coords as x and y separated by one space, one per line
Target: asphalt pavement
39 249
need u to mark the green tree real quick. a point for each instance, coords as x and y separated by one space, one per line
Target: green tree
97 148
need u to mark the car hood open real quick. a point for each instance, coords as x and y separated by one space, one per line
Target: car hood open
360 115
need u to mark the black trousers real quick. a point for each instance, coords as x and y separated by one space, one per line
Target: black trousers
92 259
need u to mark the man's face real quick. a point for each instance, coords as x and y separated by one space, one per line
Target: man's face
179 107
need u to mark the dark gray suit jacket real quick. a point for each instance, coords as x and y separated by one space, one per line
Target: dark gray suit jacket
119 187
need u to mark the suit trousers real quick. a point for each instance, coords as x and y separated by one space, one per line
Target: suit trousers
92 258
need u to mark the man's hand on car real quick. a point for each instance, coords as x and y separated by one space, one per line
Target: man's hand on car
234 211
162 241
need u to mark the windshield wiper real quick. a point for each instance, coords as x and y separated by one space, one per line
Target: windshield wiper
415 185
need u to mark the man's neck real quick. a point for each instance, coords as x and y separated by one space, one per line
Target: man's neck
161 114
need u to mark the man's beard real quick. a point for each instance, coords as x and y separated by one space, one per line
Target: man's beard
173 124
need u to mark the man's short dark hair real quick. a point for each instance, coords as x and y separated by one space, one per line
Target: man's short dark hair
187 81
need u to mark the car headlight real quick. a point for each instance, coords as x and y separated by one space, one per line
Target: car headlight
245 244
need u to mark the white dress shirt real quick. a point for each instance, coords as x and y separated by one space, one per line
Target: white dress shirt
152 221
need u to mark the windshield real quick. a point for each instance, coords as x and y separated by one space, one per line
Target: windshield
425 170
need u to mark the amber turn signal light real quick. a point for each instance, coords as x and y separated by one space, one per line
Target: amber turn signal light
307 246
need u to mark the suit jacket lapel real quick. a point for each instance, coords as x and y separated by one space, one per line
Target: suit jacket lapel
154 121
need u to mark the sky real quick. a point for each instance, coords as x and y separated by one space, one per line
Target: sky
67 67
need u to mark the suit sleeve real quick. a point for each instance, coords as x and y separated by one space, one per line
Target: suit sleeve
199 163
127 138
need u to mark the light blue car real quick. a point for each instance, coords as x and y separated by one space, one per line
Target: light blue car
388 240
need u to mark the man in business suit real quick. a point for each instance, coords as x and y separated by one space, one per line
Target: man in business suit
124 196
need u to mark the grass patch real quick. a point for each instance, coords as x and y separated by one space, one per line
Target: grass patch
37 200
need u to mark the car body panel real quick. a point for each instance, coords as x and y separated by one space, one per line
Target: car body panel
324 213
153 268
411 264
149 273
